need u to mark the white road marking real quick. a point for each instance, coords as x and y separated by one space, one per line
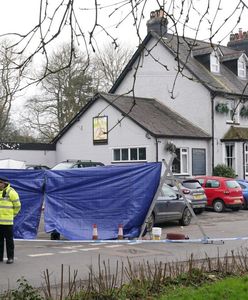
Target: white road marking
68 251
113 246
71 247
40 254
93 244
89 249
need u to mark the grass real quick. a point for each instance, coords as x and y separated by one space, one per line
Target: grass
220 278
233 288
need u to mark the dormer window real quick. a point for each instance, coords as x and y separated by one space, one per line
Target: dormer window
242 67
214 63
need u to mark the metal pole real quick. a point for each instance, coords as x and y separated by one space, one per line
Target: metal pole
205 237
162 181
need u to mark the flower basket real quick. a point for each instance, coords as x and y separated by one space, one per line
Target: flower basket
222 108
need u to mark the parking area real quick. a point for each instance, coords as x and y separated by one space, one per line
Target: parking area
215 225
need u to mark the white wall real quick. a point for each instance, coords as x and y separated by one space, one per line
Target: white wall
192 100
189 144
77 142
43 157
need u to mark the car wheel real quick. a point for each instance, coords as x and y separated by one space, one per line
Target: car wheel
198 211
186 217
219 206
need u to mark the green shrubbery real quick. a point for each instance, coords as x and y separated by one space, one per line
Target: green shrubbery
224 171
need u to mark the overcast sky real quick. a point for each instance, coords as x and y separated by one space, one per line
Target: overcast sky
21 15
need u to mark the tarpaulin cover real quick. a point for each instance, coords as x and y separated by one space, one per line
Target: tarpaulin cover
29 184
107 196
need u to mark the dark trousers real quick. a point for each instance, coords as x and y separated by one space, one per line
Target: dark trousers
6 233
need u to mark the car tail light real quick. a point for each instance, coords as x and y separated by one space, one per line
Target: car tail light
185 191
226 192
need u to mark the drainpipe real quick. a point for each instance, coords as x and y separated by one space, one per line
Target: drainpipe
156 143
244 160
212 128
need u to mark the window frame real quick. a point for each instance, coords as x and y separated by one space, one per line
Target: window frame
227 157
241 65
184 152
120 149
246 157
214 63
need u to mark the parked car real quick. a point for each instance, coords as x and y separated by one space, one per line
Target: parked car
71 164
244 186
169 207
222 192
37 167
194 193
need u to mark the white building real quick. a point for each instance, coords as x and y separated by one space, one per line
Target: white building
200 110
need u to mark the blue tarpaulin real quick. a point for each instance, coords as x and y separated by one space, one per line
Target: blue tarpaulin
107 196
29 184
78 198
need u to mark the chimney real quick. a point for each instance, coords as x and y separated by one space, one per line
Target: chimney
158 22
239 41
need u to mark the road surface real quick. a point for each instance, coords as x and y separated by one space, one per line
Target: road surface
34 257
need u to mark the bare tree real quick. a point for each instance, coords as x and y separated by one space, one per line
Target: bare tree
65 18
108 64
9 84
63 93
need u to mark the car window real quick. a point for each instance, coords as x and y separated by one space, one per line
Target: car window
242 185
62 166
212 183
168 192
192 184
201 181
232 184
75 166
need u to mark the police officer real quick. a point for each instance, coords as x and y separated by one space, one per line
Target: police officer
10 205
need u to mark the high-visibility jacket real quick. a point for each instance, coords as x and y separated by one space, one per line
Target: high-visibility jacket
10 205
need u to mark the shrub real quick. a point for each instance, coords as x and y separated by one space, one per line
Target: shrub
224 171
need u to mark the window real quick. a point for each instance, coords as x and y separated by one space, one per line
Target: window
232 184
246 159
214 63
129 154
241 67
230 155
198 161
212 183
180 163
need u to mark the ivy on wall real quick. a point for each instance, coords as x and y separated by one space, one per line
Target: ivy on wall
244 112
222 108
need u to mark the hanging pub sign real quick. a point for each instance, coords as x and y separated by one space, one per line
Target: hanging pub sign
100 130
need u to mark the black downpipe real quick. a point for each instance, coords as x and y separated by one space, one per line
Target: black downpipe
212 128
156 149
244 160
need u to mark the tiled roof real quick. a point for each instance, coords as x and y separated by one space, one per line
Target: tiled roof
224 82
188 51
155 117
236 134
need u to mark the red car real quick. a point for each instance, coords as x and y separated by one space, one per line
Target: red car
222 192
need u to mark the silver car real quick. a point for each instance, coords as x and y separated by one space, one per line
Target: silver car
193 192
169 207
